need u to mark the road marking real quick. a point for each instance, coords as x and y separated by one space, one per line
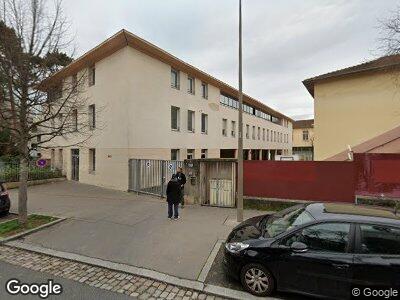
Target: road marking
207 266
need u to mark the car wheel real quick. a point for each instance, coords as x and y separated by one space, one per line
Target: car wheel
257 280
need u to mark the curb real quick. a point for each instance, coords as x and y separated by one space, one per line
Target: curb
22 234
151 274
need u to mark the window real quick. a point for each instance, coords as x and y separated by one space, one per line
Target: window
92 160
258 133
191 120
174 154
204 153
92 116
190 154
74 120
330 237
204 90
233 128
253 133
305 135
175 111
174 78
377 239
204 123
60 159
247 131
191 87
268 135
224 125
92 76
74 83
263 134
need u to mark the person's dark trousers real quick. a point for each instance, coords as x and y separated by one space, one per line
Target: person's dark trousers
173 210
182 198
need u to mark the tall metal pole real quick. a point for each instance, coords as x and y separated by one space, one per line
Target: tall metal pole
240 135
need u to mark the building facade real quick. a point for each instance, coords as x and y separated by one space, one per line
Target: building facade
142 102
303 139
355 105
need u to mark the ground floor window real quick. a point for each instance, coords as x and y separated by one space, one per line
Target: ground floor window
190 154
92 160
204 153
174 154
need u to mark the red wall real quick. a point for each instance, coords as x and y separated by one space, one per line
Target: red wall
377 174
368 174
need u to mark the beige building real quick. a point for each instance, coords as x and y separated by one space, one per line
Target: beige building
152 105
303 139
358 107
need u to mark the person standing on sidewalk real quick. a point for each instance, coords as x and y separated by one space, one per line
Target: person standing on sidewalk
173 197
182 181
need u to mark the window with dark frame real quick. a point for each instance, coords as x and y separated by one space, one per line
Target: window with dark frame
190 154
92 160
204 90
191 83
75 120
175 118
204 153
191 121
92 75
174 78
174 154
305 135
224 127
204 123
92 116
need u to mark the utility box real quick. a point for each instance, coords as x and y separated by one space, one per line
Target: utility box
211 181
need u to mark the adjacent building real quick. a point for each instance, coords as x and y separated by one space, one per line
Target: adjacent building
142 102
357 109
303 139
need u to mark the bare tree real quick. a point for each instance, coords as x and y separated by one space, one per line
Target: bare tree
33 108
390 34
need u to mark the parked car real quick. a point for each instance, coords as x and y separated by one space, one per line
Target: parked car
318 249
4 200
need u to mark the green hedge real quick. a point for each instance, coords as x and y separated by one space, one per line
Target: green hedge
10 173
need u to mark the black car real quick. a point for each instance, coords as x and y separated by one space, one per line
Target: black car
317 249
4 200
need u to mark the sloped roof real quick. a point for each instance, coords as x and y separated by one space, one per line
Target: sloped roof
303 124
371 144
382 63
125 38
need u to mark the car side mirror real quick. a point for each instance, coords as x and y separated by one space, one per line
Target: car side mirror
299 247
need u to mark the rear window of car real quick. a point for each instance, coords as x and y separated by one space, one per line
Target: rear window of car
378 239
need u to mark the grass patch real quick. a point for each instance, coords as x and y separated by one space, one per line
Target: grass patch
267 205
12 227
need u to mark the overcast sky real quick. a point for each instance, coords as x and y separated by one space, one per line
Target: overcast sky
284 42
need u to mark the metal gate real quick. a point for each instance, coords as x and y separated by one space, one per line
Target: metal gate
151 176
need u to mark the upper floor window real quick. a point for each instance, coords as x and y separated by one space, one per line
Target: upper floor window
174 78
204 90
258 133
75 120
267 135
92 160
191 82
253 133
263 134
175 118
233 130
92 75
92 116
305 135
247 131
204 123
191 120
224 127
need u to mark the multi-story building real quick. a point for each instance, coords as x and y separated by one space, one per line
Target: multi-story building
303 139
357 109
153 105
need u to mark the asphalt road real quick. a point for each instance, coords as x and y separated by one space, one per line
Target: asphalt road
71 289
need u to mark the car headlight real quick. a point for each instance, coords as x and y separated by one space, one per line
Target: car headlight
236 247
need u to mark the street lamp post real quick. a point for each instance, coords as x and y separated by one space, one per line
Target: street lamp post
240 124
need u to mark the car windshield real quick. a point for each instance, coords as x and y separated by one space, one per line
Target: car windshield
286 220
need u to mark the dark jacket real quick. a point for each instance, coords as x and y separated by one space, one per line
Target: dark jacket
174 191
181 178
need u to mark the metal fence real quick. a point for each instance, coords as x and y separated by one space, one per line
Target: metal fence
151 176
9 172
